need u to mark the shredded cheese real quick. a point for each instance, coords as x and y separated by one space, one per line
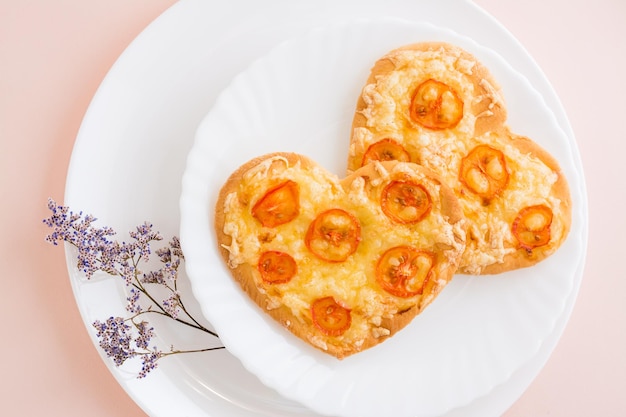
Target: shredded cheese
387 101
352 283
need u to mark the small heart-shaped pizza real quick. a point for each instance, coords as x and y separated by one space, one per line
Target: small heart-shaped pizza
436 105
342 264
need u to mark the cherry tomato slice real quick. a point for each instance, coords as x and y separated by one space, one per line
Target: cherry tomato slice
330 317
484 171
531 227
279 205
404 270
333 235
277 267
405 202
436 105
385 150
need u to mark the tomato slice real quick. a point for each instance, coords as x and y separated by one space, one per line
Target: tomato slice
484 171
405 202
277 267
436 105
404 270
531 227
333 235
330 317
279 205
385 150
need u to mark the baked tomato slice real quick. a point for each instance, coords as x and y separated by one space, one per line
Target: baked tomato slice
279 205
277 267
484 171
405 202
404 270
435 105
385 150
333 235
330 317
531 227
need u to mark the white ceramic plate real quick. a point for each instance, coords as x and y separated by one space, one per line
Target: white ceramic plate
300 98
130 155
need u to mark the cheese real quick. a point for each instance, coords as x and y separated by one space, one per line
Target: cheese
387 101
352 282
491 94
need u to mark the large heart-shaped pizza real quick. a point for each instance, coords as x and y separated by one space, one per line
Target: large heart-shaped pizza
343 264
437 105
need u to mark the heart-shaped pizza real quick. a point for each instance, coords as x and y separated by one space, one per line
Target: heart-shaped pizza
436 105
342 263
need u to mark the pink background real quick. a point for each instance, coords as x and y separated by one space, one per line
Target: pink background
54 54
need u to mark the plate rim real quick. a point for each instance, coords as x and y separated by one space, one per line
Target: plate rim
143 393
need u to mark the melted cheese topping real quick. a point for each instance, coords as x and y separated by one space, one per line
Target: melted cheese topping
387 108
530 183
388 99
351 283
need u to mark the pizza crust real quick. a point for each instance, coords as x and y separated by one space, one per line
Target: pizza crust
395 312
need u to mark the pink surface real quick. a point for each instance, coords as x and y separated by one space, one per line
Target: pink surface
53 55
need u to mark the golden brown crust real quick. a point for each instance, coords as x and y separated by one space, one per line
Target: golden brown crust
448 255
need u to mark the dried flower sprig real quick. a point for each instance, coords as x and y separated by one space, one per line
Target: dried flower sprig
125 338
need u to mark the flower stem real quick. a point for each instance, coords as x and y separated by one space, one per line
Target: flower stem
126 338
177 352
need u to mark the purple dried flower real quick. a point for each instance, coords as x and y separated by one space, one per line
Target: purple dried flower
115 338
60 221
96 252
149 362
171 304
143 236
153 277
164 254
176 249
133 305
170 256
127 272
145 334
